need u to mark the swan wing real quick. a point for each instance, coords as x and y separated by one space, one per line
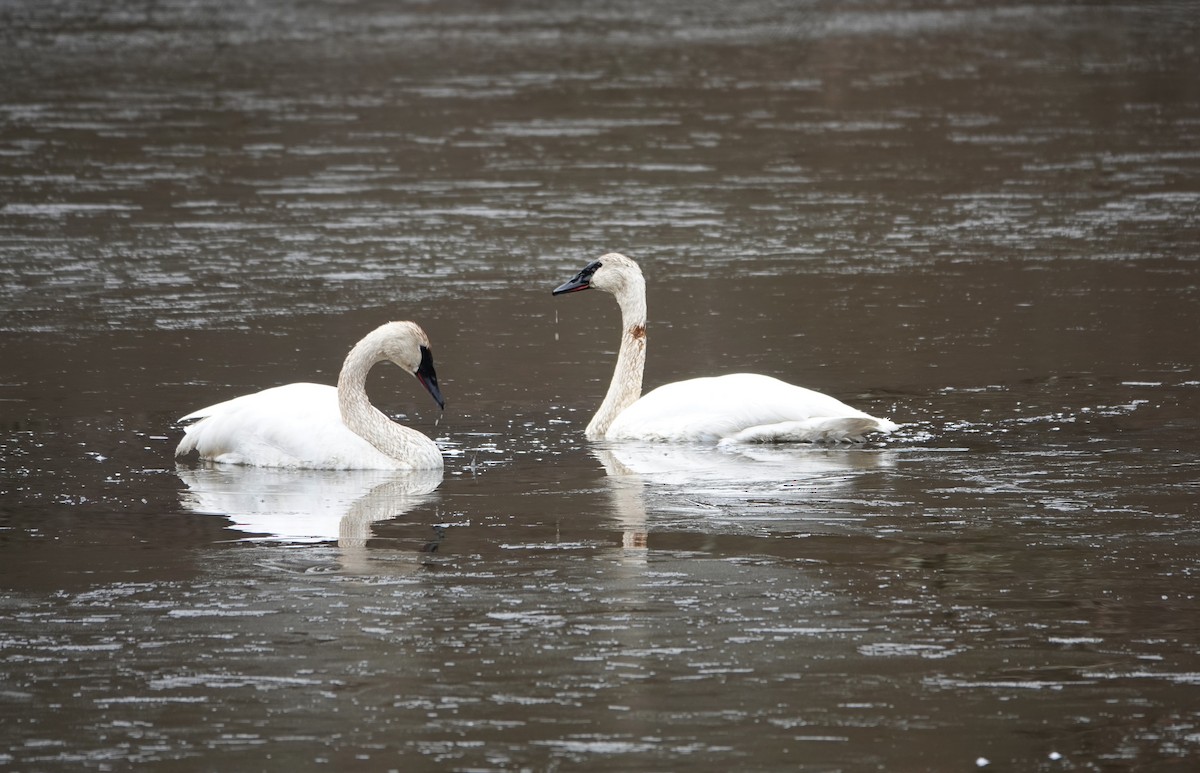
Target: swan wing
292 426
742 407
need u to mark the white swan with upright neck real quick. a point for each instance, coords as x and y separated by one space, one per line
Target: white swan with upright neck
316 426
737 408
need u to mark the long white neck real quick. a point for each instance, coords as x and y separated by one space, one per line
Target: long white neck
626 385
408 447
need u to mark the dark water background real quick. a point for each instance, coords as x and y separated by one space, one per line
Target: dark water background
979 219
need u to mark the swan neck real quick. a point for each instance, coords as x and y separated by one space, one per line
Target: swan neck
626 385
407 446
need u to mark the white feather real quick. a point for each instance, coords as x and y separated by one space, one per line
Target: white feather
737 408
310 425
741 407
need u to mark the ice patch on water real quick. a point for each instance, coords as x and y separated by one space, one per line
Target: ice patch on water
1186 677
229 680
598 747
152 700
521 700
1004 684
805 630
1072 640
530 618
59 210
1117 410
899 649
215 612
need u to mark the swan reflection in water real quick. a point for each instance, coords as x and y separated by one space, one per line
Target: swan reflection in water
306 505
706 480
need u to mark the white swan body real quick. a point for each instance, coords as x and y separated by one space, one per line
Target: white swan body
316 426
737 408
740 408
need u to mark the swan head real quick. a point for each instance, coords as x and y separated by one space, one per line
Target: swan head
613 273
406 345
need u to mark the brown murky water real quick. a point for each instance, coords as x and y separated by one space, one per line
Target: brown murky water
981 220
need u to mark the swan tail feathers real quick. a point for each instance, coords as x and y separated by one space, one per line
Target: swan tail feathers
194 432
194 416
187 449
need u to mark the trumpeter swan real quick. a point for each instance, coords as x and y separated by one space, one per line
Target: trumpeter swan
737 408
316 426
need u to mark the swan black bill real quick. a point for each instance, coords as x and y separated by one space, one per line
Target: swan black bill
428 377
581 281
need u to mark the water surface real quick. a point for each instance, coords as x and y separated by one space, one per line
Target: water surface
981 221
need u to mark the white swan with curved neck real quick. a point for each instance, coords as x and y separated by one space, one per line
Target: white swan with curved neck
737 408
316 426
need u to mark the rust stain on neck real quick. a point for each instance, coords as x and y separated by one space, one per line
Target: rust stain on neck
638 332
